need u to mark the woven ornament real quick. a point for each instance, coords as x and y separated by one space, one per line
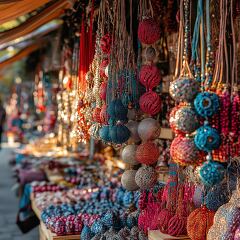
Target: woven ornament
212 173
149 129
133 128
149 76
147 153
102 67
148 31
183 120
119 134
117 111
146 177
150 103
103 91
104 133
206 104
184 89
104 117
96 115
163 219
207 139
150 54
184 152
199 223
128 180
129 154
105 43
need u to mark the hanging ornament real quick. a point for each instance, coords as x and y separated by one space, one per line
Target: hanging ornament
207 138
147 153
149 129
183 120
133 128
163 219
150 103
129 154
117 111
128 180
199 223
149 76
105 43
104 133
146 177
119 134
104 117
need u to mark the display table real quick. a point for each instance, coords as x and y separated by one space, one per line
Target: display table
157 235
46 234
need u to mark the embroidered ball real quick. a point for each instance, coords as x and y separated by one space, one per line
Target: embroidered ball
163 219
104 133
105 43
96 115
128 180
129 154
104 117
207 139
117 111
184 152
184 89
212 173
103 91
119 134
199 223
150 103
133 128
183 120
149 76
177 225
102 67
146 177
147 153
206 104
150 54
149 129
148 31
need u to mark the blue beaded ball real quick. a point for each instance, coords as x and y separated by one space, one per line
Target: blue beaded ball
119 134
207 139
117 111
110 219
98 227
86 233
206 104
104 133
212 173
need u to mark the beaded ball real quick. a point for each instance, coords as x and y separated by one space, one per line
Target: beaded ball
199 223
177 225
98 227
104 117
102 67
206 104
149 76
147 153
119 134
212 173
183 120
116 110
163 219
150 103
148 31
86 233
184 152
105 43
146 177
104 133
128 180
129 154
103 91
149 129
207 139
184 89
133 128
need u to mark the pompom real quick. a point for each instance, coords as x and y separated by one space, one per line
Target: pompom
149 129
104 117
163 219
177 226
150 103
102 67
146 177
206 104
184 152
207 139
96 115
105 43
128 180
148 31
147 153
117 111
103 91
129 154
150 76
183 120
199 223
119 134
184 89
104 133
133 128
212 173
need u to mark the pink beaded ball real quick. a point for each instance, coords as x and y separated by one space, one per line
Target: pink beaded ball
150 103
150 76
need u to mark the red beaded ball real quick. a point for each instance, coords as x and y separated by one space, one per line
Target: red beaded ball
147 153
103 91
104 115
150 76
96 115
148 31
150 103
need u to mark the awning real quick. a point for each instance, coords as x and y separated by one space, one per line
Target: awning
51 12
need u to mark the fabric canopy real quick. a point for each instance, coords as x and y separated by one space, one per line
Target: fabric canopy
51 12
